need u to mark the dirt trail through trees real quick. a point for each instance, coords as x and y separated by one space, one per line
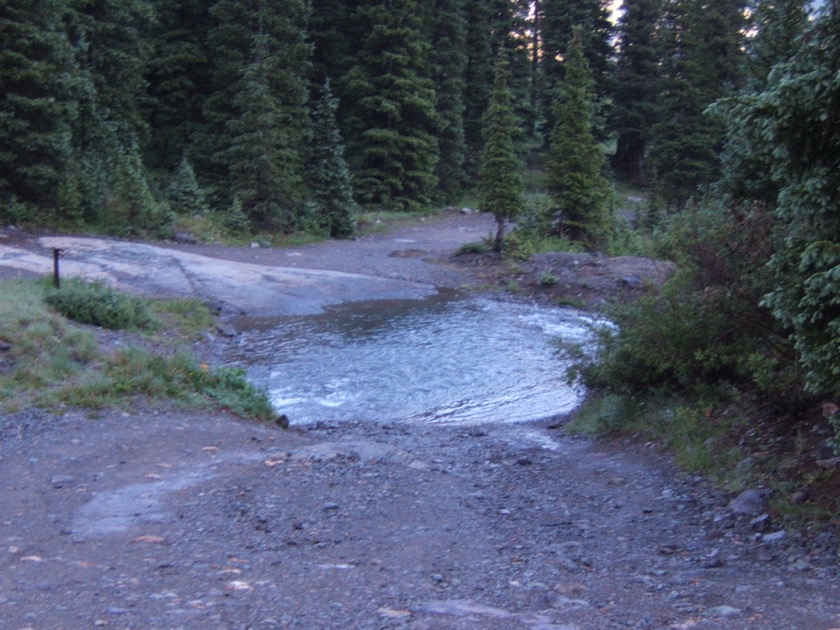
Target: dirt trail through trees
153 517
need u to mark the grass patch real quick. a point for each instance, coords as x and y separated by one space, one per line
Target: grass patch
47 360
97 304
478 247
700 436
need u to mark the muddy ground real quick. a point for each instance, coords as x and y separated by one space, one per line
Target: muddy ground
153 517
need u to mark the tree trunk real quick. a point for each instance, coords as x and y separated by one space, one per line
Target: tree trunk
500 233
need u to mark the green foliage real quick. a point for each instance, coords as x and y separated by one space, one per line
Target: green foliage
634 91
51 362
500 185
559 21
575 160
257 124
136 372
230 388
701 52
329 175
705 328
488 22
44 348
98 304
178 75
696 435
185 195
449 46
790 127
478 247
390 101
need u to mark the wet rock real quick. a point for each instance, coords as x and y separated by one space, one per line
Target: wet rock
749 502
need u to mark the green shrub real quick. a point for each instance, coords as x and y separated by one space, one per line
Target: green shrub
97 304
705 328
478 247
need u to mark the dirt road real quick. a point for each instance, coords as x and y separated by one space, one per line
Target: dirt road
151 517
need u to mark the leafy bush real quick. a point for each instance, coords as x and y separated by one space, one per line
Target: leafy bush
706 328
99 305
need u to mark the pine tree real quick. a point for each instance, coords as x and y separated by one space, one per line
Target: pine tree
185 195
112 39
450 64
701 61
575 160
500 186
391 120
488 27
792 125
778 27
264 170
257 122
634 86
329 176
37 109
747 171
559 19
178 75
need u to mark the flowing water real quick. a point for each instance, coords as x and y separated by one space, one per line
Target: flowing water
441 360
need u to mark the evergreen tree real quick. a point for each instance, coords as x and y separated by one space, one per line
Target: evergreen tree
500 186
559 19
634 84
264 170
778 26
185 195
575 160
178 76
335 36
450 64
37 109
747 171
391 118
112 39
329 176
701 61
488 27
257 123
792 126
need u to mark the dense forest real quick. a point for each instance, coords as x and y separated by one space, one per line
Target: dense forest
125 116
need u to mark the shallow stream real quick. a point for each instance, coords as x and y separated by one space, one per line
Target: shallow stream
447 359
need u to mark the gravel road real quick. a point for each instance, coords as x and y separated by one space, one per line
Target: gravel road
155 517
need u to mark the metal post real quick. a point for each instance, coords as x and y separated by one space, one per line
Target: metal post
56 277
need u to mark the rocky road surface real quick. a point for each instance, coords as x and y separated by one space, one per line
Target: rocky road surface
154 517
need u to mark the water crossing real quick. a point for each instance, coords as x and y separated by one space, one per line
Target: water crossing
447 359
